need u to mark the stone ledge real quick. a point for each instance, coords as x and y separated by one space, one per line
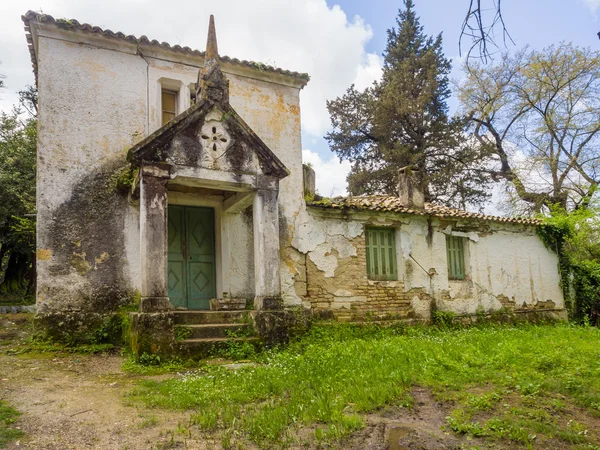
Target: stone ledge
227 304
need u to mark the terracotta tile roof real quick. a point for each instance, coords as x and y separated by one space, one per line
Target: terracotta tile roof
387 203
86 27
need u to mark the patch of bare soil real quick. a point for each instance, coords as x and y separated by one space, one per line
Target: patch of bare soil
417 428
72 401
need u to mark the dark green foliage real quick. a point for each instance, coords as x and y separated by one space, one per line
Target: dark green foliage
575 237
149 359
442 319
18 134
402 120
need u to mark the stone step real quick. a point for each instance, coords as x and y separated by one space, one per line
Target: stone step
214 330
204 347
210 317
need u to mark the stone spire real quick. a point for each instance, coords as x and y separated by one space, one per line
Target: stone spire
212 50
212 83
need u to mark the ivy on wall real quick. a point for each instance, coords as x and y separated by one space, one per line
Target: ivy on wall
575 237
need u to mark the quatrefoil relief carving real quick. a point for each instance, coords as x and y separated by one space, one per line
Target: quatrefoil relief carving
215 137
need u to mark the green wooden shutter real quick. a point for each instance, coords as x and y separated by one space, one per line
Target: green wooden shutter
455 251
381 253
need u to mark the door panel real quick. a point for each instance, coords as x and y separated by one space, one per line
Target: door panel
177 279
200 226
192 271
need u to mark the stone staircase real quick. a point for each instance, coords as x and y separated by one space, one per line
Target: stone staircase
200 333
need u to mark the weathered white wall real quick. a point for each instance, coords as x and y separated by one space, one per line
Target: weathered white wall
100 96
92 109
506 265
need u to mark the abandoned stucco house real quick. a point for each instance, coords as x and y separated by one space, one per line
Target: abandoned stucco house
175 176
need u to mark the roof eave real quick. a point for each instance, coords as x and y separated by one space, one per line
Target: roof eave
31 17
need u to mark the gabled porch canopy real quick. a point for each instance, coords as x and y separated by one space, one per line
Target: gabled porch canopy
208 146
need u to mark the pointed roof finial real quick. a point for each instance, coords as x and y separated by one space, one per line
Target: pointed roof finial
212 51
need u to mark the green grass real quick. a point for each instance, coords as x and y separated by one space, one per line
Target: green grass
37 347
8 432
147 365
515 383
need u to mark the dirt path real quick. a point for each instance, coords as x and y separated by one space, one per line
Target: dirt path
78 402
73 401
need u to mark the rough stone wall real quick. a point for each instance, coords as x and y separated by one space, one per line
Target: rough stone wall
507 266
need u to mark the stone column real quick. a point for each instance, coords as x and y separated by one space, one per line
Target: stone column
266 249
154 239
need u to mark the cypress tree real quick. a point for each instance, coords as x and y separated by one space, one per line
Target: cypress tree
402 120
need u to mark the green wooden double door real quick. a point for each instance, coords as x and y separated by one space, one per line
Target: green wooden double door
192 268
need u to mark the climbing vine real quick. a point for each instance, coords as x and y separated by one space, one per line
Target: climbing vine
575 237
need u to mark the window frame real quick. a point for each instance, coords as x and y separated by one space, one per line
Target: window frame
175 94
376 259
456 257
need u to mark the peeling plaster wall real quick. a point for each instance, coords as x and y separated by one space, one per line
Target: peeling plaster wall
100 96
507 267
92 109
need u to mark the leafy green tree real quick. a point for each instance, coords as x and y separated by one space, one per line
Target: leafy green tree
402 120
18 134
538 114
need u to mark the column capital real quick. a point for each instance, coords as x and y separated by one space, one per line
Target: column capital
156 171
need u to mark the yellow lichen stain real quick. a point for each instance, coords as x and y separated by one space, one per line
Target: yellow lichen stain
44 254
264 100
106 146
77 243
103 257
291 265
79 263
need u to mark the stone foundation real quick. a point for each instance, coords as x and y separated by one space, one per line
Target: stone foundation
152 333
76 327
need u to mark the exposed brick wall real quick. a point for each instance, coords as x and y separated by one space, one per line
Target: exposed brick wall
350 295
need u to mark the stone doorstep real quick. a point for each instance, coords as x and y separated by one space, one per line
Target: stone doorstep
227 304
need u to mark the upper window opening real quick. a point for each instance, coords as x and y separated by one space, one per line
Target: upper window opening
169 105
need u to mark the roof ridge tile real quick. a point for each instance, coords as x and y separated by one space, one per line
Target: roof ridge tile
389 203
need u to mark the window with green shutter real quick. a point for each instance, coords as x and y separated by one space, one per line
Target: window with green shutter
455 250
381 253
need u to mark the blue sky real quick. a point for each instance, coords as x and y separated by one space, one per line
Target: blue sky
537 23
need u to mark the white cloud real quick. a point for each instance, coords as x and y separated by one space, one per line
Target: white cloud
331 174
592 4
301 35
369 71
